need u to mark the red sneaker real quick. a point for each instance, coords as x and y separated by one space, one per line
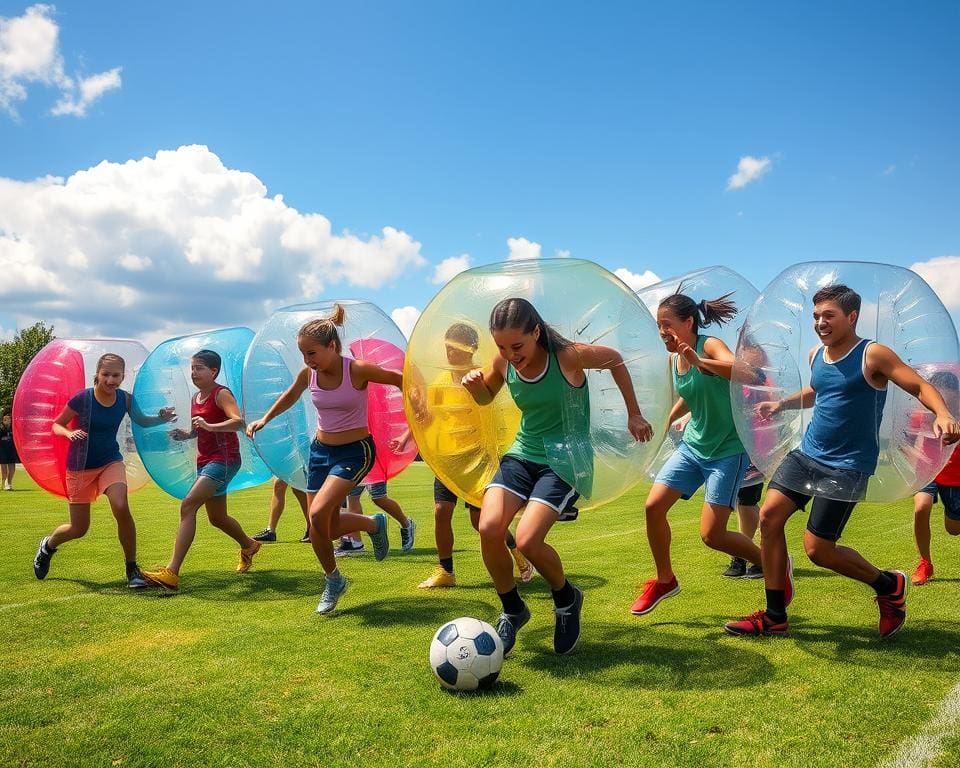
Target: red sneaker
653 593
923 573
788 583
757 624
893 607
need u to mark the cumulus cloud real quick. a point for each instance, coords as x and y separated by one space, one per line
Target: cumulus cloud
943 275
635 281
172 242
521 248
749 169
447 269
561 253
405 318
30 54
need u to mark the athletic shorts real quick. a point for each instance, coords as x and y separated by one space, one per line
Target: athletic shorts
375 490
720 478
85 485
949 495
537 482
350 462
750 495
443 495
220 473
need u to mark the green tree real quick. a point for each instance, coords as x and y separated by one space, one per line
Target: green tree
16 355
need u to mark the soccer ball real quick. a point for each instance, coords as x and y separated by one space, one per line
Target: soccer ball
466 654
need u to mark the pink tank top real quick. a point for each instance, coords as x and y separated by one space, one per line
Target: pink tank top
340 409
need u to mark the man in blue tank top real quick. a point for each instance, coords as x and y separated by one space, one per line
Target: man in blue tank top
840 448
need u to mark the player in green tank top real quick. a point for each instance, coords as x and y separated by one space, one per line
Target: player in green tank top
542 370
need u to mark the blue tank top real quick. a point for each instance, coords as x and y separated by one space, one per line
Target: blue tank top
101 425
844 431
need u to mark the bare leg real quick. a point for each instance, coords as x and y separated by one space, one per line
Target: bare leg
126 529
77 527
499 508
748 519
776 511
713 531
532 531
659 501
922 505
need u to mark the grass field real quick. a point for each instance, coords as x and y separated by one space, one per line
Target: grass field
237 670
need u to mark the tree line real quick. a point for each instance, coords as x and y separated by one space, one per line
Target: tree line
16 355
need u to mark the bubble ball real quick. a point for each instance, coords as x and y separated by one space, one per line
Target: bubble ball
463 442
898 309
163 381
923 448
60 370
272 363
707 283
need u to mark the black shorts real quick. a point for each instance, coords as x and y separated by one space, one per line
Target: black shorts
537 482
750 496
443 495
949 495
828 517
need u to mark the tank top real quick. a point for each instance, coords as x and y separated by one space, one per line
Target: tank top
540 401
340 409
844 431
101 424
221 447
711 433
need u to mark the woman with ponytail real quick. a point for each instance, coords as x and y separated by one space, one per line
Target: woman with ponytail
710 453
342 452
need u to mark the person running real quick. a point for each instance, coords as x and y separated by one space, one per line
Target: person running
351 544
847 390
542 370
710 453
277 503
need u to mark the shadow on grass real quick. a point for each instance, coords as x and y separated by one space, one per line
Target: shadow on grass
618 655
417 611
539 585
501 689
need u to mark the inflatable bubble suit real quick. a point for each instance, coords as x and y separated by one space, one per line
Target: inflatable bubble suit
463 442
273 361
60 370
707 283
164 381
899 310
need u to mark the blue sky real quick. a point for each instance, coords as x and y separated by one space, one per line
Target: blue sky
610 132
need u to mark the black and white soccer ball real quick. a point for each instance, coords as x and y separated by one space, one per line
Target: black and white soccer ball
466 654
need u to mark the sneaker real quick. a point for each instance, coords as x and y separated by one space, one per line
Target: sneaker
305 539
508 624
332 592
246 557
757 624
267 535
407 535
135 579
736 569
41 561
439 578
753 572
381 544
923 573
524 566
788 583
893 607
7 486
348 547
566 632
653 593
163 577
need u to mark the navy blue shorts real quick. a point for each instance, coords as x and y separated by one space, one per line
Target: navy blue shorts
949 495
537 482
443 495
351 462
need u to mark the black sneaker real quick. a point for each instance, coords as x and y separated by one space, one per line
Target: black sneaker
566 633
267 534
737 569
305 539
41 562
348 548
508 624
135 579
753 572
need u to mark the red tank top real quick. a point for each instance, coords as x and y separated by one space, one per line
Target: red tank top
222 447
950 474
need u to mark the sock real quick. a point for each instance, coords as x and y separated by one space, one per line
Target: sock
885 583
511 542
564 596
335 576
776 610
512 602
447 564
47 549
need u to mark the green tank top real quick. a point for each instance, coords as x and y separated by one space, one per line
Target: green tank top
542 403
711 433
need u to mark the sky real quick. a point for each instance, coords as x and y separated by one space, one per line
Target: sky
172 167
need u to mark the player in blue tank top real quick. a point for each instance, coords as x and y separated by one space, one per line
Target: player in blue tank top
847 391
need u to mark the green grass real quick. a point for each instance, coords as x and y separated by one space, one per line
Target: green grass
237 670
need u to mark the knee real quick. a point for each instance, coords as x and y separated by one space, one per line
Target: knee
217 519
122 513
527 542
711 537
491 529
770 525
321 523
819 551
79 529
655 510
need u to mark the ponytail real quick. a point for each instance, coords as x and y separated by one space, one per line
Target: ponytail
705 312
325 329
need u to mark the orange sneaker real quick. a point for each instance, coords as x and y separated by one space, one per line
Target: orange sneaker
923 573
246 556
163 577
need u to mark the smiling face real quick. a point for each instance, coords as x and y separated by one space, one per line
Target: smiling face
319 357
672 328
832 325
521 349
108 377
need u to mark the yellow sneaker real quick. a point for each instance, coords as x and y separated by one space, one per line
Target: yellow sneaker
163 577
246 556
523 565
439 578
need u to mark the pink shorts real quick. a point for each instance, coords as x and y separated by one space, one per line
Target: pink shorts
85 485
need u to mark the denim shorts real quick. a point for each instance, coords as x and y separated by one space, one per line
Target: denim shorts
948 494
374 490
720 478
350 462
220 473
536 482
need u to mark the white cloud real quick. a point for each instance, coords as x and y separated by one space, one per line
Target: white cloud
943 275
173 240
635 281
405 318
749 169
7 334
30 53
447 269
521 248
888 170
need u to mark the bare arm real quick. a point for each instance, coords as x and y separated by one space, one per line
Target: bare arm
285 401
484 384
61 429
717 359
679 410
228 404
141 419
366 372
595 357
